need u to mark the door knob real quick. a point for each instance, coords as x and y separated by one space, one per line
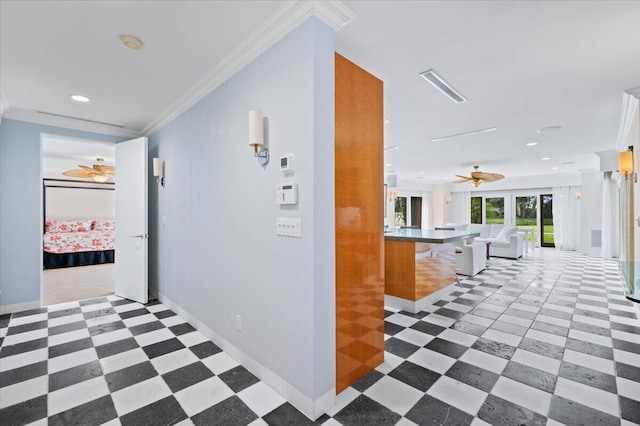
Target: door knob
140 236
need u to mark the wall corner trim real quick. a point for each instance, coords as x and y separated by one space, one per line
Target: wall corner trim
334 13
312 408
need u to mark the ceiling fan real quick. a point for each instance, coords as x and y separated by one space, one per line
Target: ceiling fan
477 177
99 172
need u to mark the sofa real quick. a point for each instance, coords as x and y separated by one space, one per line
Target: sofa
505 240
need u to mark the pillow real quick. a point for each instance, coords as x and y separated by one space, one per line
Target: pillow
102 225
494 230
506 232
57 225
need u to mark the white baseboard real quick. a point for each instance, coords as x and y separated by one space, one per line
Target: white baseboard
416 306
311 408
18 307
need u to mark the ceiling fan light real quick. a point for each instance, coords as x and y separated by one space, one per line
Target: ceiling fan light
101 178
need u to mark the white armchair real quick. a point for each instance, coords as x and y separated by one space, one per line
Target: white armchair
470 258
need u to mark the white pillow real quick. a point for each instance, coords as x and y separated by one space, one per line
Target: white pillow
494 230
506 232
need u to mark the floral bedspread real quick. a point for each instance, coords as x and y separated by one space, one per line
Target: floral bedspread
64 236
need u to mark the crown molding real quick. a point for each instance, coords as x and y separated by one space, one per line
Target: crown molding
334 13
68 123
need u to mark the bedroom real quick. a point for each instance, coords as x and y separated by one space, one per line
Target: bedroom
78 219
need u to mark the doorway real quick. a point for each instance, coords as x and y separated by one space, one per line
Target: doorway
78 220
546 220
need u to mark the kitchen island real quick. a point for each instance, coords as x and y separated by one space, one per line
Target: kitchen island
420 266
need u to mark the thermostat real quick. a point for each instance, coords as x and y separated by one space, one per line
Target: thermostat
287 193
286 163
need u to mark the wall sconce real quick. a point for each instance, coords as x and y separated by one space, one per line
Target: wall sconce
256 137
392 196
448 199
625 163
158 170
578 193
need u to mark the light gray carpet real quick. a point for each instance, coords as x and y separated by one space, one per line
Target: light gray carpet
77 283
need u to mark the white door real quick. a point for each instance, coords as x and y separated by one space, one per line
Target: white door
131 281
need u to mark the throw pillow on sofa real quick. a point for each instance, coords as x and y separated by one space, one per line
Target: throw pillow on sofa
506 232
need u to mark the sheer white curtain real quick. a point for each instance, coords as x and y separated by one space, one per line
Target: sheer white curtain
461 206
610 216
426 209
629 114
566 218
610 193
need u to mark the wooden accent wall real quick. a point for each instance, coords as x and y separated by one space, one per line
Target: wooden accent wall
359 223
412 271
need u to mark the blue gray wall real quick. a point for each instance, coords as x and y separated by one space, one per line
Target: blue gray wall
216 253
21 206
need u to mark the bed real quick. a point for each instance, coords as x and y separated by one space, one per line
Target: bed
79 242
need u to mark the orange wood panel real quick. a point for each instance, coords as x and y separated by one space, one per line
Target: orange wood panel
400 269
359 222
435 268
415 270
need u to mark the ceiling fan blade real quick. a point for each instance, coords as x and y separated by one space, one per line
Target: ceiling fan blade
89 169
110 170
464 177
461 180
79 173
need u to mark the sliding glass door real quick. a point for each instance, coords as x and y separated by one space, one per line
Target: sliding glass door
546 219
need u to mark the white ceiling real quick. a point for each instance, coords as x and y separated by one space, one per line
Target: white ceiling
61 154
522 65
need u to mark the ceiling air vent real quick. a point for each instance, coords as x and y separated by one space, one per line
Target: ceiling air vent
439 83
79 119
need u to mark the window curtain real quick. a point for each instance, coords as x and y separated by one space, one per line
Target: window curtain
610 195
566 217
610 216
461 206
426 209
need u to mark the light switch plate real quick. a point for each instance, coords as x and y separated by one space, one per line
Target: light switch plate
288 227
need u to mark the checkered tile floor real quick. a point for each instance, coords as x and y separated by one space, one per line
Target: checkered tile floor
549 339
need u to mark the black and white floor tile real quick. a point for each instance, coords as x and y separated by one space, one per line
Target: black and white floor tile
549 339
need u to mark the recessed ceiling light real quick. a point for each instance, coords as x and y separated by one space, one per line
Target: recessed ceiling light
472 132
389 148
389 164
131 42
446 177
555 168
439 83
549 129
421 173
532 144
568 162
79 98
385 120
546 158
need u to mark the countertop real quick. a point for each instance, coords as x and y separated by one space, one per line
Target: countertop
428 236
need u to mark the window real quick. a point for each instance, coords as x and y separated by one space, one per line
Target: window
400 215
476 210
494 210
526 213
